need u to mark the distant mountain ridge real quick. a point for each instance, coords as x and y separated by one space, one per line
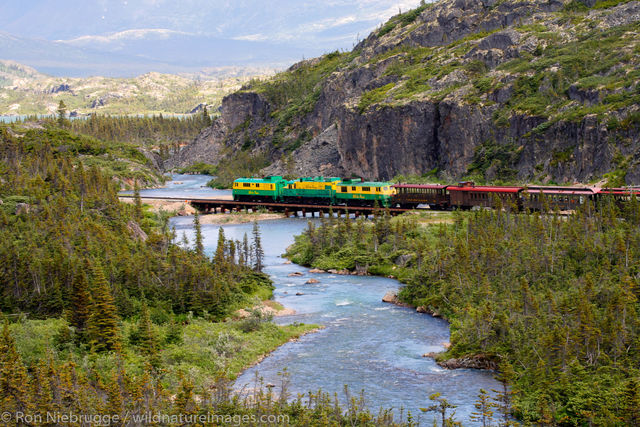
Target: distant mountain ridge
542 90
23 90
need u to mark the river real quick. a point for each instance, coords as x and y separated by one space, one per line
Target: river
365 344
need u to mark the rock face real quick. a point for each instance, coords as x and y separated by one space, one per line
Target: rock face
137 232
450 89
478 361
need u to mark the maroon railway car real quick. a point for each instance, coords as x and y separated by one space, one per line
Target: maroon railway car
557 198
620 196
411 195
467 195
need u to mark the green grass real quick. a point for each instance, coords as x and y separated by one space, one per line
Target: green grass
206 350
373 96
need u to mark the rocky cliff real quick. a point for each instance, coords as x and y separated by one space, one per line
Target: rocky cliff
512 90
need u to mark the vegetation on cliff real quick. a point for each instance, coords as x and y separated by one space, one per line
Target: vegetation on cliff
553 300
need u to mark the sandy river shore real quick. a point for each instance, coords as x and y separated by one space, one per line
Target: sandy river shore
184 209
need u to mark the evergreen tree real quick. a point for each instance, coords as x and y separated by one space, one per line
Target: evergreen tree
484 407
258 252
147 339
206 119
80 302
62 113
15 395
102 328
219 260
246 253
441 406
137 202
198 231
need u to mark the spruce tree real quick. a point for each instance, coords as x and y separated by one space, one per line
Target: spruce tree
219 260
198 230
80 301
246 253
137 202
258 252
102 328
147 339
15 395
62 113
441 406
484 409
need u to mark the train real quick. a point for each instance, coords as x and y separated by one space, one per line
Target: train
463 195
314 191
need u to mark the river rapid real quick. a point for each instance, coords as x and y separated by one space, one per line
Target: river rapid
365 344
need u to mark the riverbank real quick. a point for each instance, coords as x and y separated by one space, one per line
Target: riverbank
180 208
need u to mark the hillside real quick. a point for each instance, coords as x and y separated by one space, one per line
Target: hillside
25 91
492 90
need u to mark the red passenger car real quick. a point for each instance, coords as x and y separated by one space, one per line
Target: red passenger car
409 196
557 198
466 195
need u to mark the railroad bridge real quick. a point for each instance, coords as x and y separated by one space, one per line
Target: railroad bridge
213 206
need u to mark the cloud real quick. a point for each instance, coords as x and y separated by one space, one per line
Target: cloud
137 34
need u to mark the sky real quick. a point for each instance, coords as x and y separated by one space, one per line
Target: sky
184 33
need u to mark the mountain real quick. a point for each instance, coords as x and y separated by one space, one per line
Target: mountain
492 90
23 90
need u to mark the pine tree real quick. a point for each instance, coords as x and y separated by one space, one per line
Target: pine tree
441 406
246 253
62 113
102 327
137 202
198 231
206 119
15 395
147 339
219 260
484 407
184 402
80 301
258 257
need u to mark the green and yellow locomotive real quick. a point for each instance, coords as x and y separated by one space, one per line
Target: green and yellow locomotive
268 189
318 190
314 190
355 192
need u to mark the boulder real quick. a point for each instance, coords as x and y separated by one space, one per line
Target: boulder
390 297
22 208
287 262
403 260
138 233
316 270
312 281
299 294
295 274
478 361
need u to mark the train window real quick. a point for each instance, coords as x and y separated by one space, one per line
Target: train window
246 184
353 188
378 189
366 189
343 189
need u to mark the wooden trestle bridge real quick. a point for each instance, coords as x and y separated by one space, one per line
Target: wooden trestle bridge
213 206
